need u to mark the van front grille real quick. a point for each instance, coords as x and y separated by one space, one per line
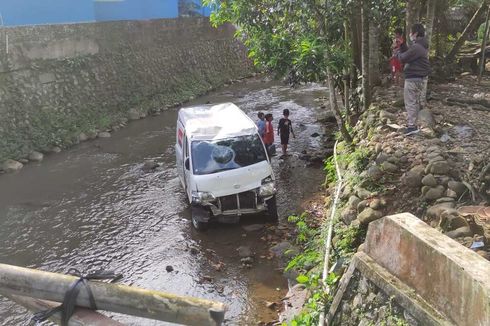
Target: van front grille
247 199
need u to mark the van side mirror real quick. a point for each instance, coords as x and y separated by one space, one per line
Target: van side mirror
187 164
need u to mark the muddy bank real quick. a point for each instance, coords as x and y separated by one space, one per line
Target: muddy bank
94 206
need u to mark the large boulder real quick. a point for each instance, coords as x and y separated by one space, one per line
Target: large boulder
10 166
426 119
413 177
36 156
368 215
434 193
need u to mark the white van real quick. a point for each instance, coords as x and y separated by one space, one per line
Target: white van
223 164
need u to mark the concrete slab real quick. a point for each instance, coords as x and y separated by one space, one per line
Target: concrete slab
451 278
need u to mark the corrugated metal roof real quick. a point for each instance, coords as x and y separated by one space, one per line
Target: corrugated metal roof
216 121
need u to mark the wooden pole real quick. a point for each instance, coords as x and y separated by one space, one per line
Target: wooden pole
484 46
112 297
80 317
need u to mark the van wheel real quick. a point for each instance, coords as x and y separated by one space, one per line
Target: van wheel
199 218
272 209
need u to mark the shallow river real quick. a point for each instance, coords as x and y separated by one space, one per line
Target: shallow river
93 207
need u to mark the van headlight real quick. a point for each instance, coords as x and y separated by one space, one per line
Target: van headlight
202 197
268 187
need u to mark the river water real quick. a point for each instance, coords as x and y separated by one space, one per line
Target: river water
93 207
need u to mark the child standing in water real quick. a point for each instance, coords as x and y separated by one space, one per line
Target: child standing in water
269 132
284 129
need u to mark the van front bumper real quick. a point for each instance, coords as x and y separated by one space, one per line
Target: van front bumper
247 202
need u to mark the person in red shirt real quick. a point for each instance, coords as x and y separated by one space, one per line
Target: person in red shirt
269 132
399 45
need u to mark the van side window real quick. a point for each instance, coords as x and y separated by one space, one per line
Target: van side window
186 150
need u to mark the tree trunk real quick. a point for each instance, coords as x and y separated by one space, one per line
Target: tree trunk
472 26
366 89
411 16
483 47
374 73
335 108
356 35
431 11
347 69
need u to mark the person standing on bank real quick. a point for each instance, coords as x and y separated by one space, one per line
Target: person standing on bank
284 129
417 68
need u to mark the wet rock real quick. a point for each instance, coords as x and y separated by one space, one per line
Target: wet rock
82 137
434 193
10 166
92 134
149 166
440 167
24 161
104 134
458 187
253 227
368 215
374 172
413 178
36 156
294 300
244 251
429 180
426 119
459 232
389 167
315 134
283 249
270 305
169 269
55 149
133 114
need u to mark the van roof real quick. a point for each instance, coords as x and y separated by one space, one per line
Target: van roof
216 121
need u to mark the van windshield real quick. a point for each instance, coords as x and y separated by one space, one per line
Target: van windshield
212 156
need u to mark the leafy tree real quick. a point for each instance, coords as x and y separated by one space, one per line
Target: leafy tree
300 39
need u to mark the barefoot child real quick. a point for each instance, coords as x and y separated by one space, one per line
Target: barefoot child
284 129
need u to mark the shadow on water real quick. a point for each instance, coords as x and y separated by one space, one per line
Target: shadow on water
93 207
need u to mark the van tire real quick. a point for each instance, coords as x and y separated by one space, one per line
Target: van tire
272 209
196 223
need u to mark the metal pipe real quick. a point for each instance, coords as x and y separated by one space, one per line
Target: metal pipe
329 231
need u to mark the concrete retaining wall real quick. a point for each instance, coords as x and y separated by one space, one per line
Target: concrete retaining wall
434 278
452 278
57 81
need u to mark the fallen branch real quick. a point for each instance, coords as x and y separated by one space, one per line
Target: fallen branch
475 104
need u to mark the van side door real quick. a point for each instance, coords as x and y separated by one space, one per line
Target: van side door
179 152
187 168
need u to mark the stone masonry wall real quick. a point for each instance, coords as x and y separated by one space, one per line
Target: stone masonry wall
60 81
